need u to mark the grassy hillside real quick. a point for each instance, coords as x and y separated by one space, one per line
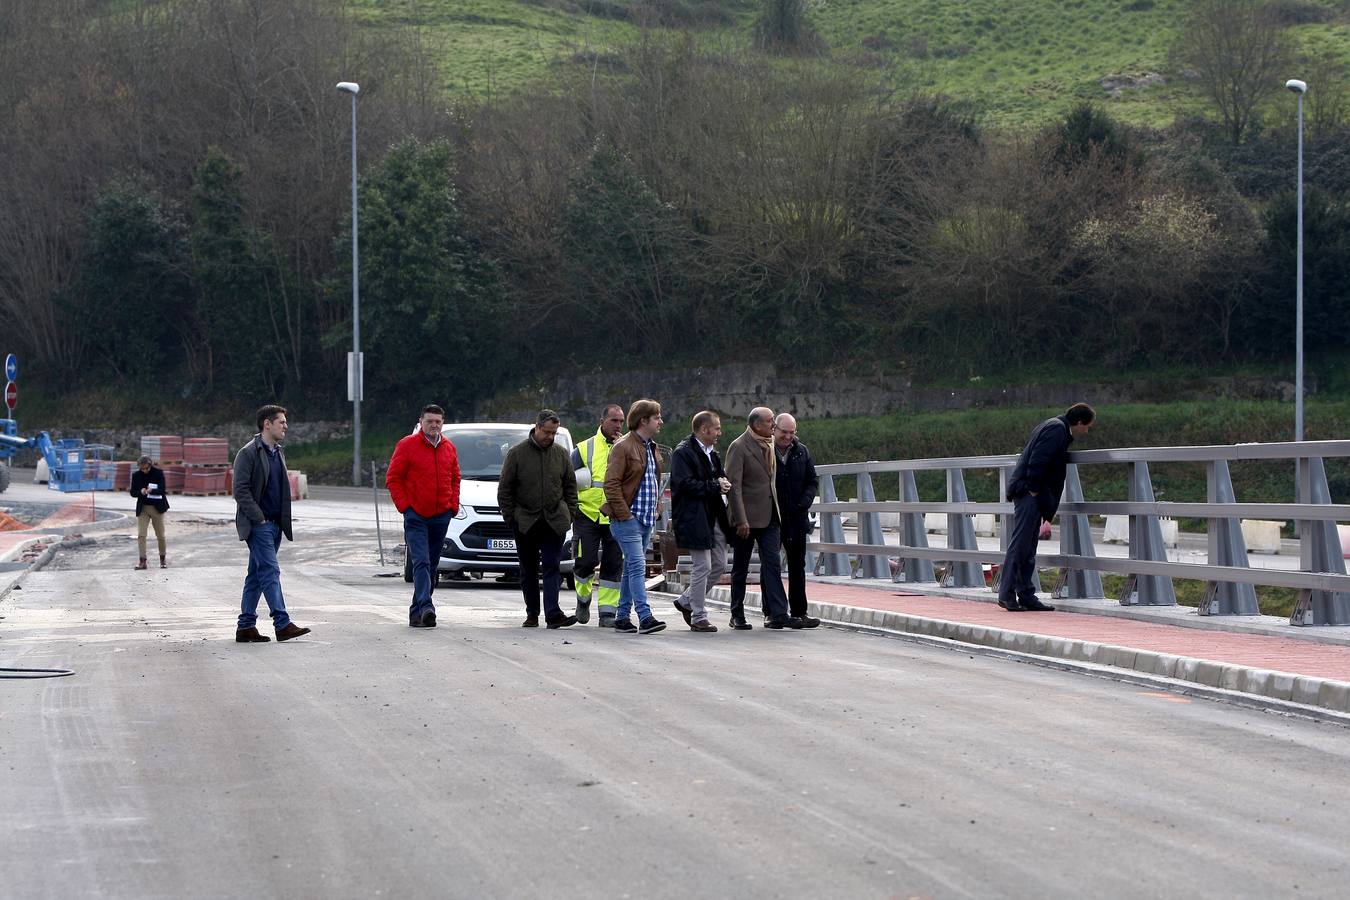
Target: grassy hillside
1020 61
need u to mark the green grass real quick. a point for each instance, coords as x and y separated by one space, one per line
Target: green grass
1022 62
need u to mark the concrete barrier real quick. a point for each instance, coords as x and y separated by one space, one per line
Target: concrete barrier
1117 530
1261 535
935 523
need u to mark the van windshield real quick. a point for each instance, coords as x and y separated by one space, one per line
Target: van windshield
482 450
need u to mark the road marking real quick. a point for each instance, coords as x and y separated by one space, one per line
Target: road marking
1160 695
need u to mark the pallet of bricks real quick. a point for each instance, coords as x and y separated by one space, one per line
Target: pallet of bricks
167 452
207 462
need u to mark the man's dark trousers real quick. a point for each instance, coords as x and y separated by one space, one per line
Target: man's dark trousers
540 543
424 537
1014 580
794 548
772 598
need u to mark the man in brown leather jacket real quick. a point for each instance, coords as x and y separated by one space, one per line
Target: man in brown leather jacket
633 502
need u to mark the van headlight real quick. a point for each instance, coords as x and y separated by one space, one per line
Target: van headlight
462 512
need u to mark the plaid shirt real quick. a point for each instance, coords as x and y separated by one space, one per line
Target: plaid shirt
644 504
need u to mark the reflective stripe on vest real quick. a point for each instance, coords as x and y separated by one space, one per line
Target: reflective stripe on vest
594 452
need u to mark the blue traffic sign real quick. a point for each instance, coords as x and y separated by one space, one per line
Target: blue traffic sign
11 368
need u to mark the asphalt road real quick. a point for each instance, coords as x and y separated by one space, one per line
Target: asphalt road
482 760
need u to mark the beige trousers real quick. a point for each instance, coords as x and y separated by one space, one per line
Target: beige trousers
149 516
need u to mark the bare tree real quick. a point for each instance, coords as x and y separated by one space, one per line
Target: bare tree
1240 52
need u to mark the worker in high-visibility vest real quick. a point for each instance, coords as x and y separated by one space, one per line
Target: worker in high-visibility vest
595 548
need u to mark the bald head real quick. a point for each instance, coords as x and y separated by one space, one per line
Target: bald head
761 421
784 431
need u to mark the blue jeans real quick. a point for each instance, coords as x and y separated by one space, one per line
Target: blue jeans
263 578
633 538
424 537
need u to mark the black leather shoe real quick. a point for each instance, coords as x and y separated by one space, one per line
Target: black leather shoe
564 622
1032 604
1014 606
429 619
686 611
809 621
778 624
624 626
250 636
739 625
530 622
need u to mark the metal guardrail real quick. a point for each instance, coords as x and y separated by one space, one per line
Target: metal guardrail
1322 584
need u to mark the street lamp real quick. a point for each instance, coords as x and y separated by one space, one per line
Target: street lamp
355 388
1300 88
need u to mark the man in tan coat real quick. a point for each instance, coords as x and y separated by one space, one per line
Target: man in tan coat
753 505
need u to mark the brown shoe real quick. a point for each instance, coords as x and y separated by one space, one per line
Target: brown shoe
291 630
250 636
686 611
530 622
704 626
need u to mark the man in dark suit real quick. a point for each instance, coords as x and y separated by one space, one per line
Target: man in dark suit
698 488
797 483
753 505
1034 489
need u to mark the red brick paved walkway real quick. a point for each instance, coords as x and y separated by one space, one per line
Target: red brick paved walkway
1256 651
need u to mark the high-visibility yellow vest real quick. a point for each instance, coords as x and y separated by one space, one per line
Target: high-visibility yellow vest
594 453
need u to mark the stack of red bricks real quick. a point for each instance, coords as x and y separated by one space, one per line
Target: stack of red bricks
208 467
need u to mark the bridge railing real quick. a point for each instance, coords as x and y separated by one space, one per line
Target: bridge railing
1321 582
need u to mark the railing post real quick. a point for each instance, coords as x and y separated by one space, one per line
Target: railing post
1146 543
869 532
1226 548
1319 551
961 536
831 532
912 534
1005 527
1075 539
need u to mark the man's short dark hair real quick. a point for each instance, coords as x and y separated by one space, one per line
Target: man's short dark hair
1080 414
703 419
268 413
546 416
433 409
604 413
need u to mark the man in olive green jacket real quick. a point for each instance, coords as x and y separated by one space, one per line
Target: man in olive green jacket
537 494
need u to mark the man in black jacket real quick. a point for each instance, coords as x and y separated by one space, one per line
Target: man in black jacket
797 484
698 488
262 496
1034 489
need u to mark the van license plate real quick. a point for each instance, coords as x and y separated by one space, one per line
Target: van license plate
501 545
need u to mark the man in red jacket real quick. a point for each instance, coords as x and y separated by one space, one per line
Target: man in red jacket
423 480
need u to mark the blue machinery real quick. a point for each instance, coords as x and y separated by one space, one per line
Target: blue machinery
72 464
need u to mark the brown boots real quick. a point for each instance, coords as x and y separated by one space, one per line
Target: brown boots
140 565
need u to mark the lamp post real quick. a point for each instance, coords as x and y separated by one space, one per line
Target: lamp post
1300 88
355 373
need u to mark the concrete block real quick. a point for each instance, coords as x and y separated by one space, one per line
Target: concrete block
1117 530
1039 643
1208 672
1261 535
1007 640
978 634
984 524
1334 695
1106 655
1169 530
1187 668
1281 686
1231 677
1088 651
1256 681
1306 690
1079 650
1025 643
1165 665
1145 661
935 523
1058 647
1125 657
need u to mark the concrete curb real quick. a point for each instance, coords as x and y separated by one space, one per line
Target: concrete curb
1321 698
43 558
